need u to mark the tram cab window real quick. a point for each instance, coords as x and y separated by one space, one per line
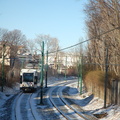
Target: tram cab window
28 77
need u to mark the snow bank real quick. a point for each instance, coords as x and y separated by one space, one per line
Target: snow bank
95 106
8 91
3 98
73 91
14 90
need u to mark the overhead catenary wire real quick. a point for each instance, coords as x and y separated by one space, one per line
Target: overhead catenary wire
84 41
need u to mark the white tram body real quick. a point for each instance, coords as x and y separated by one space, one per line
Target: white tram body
29 79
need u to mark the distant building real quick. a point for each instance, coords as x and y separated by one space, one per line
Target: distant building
21 55
6 54
62 62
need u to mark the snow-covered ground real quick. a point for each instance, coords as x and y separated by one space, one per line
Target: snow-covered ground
95 105
7 93
86 101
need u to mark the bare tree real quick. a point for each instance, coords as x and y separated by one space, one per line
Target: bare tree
31 47
104 15
14 39
51 44
3 32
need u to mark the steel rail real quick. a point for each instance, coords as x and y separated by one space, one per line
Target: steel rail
31 108
70 114
80 112
17 102
15 106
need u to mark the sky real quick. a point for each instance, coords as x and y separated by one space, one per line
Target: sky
61 19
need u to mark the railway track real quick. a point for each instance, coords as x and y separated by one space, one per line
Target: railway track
60 106
65 109
75 107
23 107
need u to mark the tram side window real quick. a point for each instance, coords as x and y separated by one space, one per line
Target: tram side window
36 78
28 77
20 79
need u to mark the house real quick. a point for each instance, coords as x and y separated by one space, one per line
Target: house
62 61
6 52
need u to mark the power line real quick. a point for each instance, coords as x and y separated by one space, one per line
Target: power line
85 40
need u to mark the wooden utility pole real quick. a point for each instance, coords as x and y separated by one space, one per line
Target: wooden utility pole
106 77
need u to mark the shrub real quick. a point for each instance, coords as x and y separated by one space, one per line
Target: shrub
94 82
11 76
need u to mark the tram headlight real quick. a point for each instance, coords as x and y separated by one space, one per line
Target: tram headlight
31 84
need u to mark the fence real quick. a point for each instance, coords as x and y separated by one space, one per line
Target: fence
115 93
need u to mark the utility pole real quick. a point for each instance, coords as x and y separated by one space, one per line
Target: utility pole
58 67
81 65
3 74
106 77
46 69
80 73
65 67
42 73
22 63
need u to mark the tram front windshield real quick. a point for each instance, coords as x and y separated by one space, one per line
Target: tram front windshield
28 77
